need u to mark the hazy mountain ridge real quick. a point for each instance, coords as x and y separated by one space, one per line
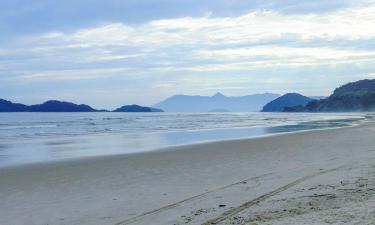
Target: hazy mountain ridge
8 106
48 106
188 103
287 100
352 97
61 106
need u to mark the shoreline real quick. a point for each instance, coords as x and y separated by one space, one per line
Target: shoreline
175 147
166 186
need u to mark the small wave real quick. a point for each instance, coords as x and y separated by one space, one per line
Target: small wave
90 119
26 127
113 118
102 130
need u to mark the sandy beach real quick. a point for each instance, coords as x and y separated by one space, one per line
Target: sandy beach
314 177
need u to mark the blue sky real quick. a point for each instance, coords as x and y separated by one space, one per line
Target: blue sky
111 53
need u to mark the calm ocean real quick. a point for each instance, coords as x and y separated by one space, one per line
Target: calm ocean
41 137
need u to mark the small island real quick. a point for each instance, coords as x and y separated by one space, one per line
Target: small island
61 106
136 108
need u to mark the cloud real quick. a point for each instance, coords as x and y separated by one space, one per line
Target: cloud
23 17
349 24
272 51
78 74
264 46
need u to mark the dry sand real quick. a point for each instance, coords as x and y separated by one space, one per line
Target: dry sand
315 177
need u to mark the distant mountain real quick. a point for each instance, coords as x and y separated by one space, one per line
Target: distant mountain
317 97
287 100
352 97
7 106
136 108
58 106
298 108
49 106
186 103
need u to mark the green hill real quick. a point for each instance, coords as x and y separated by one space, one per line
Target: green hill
352 97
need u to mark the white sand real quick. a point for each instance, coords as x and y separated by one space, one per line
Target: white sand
316 177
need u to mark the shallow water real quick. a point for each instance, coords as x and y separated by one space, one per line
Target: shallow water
40 137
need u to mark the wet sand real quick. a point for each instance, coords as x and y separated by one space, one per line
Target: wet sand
314 177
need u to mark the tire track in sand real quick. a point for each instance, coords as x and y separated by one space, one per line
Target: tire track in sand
229 213
155 211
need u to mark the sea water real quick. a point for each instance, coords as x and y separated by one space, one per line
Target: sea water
43 137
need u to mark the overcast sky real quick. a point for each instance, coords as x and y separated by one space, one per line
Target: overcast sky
114 52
